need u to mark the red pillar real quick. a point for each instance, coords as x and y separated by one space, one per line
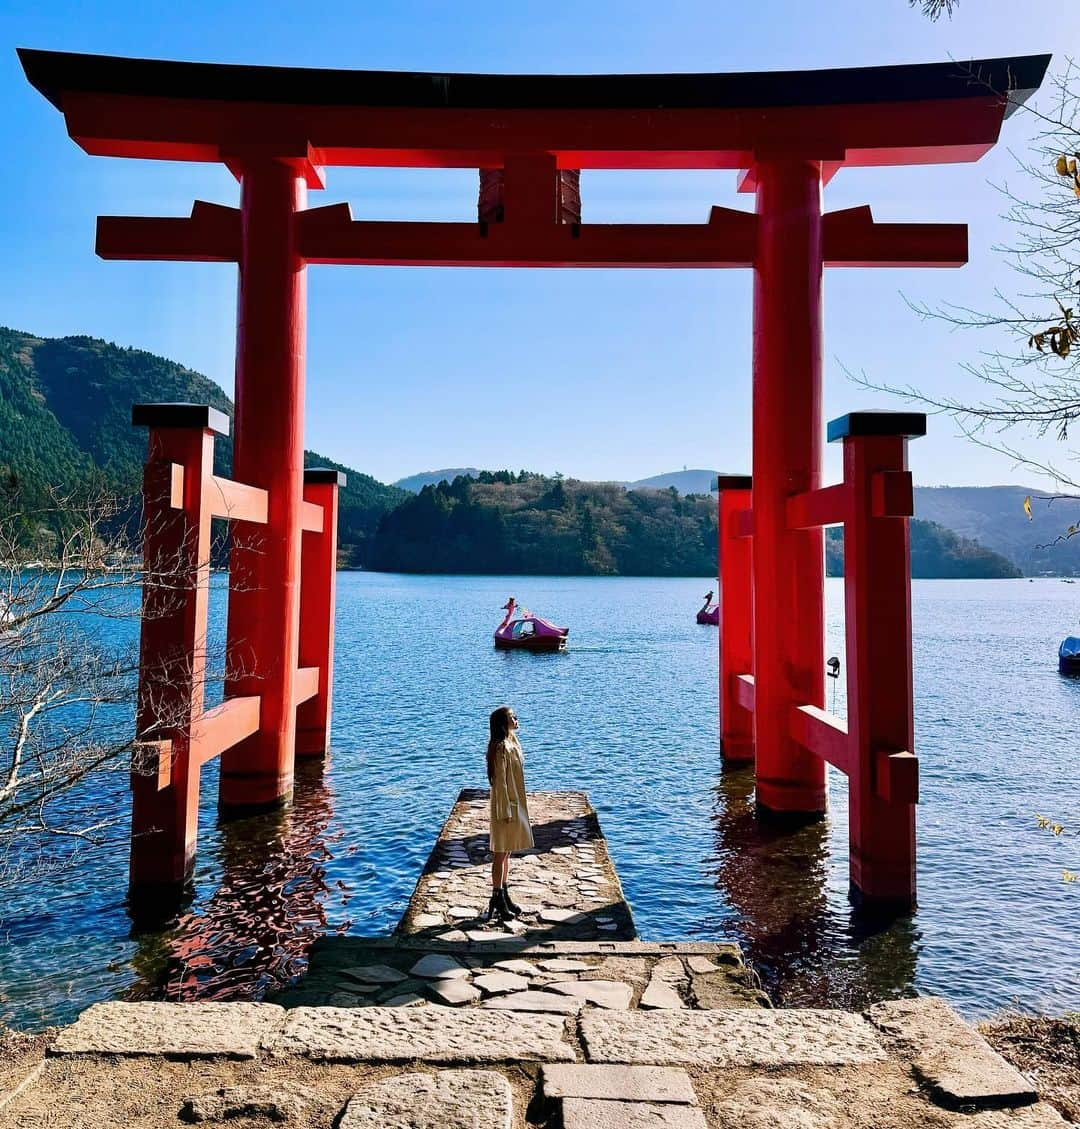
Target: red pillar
883 781
736 617
172 649
264 593
318 581
789 565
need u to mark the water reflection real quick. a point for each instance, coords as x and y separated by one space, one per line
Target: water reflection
810 945
251 934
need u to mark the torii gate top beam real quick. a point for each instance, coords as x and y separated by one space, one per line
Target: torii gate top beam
911 114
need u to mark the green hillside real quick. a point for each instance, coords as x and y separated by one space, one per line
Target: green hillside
936 553
527 523
65 420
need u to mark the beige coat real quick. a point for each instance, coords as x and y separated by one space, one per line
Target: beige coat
510 829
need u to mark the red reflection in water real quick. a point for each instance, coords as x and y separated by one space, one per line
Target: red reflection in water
251 935
811 947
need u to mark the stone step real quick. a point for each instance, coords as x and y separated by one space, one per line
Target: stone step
952 1060
731 1037
447 1099
617 1083
184 1031
435 1034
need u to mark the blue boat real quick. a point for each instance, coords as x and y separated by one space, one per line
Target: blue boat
1069 656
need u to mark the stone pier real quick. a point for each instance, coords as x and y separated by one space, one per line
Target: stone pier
566 884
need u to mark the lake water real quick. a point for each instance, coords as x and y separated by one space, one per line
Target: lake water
629 715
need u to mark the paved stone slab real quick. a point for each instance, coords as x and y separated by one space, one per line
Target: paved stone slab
536 1001
427 920
498 983
619 1083
733 1037
956 1064
454 992
662 992
582 1113
438 966
521 967
563 964
482 935
561 916
193 1030
435 1034
611 994
450 1099
701 964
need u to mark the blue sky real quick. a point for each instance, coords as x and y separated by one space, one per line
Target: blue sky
599 374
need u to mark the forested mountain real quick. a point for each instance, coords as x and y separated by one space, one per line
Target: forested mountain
936 552
528 523
65 421
994 516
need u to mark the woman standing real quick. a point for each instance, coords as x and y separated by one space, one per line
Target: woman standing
510 828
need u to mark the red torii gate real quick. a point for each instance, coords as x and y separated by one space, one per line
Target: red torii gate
278 129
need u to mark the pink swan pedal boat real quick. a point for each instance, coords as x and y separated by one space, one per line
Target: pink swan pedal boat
710 612
528 632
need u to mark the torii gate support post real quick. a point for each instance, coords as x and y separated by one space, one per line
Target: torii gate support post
789 564
736 617
318 578
264 594
172 646
883 779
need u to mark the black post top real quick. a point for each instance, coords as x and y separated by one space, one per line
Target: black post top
911 425
323 474
180 415
734 482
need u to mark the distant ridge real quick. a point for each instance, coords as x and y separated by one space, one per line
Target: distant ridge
414 483
685 481
994 516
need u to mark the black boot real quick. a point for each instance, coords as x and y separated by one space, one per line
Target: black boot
494 911
509 910
514 908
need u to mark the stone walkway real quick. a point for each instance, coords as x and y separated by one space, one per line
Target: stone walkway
566 885
909 1063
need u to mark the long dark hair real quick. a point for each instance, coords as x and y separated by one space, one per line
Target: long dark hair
499 724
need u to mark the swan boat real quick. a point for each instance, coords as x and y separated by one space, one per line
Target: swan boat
528 632
710 612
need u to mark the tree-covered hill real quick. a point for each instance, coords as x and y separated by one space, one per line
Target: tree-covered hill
527 523
65 421
936 552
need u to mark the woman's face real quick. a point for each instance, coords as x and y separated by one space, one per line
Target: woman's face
513 721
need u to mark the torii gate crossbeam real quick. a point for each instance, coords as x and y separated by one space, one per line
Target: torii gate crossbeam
279 128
